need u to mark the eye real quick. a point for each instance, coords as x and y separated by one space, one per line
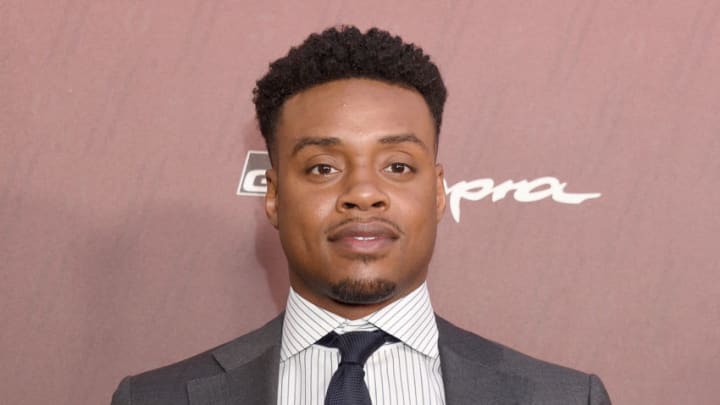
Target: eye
399 168
322 170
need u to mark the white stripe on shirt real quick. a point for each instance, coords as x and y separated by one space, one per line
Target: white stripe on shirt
401 373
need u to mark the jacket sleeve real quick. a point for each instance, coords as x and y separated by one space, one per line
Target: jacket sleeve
597 395
122 393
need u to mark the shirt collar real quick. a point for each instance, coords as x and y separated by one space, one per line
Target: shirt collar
410 319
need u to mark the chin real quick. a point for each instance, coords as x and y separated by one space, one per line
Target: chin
363 291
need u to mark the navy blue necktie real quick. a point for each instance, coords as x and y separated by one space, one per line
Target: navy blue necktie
347 386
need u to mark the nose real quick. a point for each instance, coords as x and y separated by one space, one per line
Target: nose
363 191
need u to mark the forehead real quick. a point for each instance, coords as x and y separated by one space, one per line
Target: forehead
354 108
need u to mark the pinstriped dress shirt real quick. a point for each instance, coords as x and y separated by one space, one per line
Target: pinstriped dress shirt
402 373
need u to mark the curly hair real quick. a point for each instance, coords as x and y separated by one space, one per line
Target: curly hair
342 53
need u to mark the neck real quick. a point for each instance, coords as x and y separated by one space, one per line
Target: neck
353 311
346 310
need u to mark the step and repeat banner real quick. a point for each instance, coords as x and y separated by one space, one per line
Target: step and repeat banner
580 143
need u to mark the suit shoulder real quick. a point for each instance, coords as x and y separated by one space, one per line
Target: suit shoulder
165 385
168 384
548 379
495 354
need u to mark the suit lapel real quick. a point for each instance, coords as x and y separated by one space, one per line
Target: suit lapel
251 370
472 370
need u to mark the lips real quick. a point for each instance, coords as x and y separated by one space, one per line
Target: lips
360 237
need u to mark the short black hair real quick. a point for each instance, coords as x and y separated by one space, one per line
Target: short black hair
341 53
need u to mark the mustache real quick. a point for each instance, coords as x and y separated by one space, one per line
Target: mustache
365 220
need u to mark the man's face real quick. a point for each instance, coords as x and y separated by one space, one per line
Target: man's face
355 193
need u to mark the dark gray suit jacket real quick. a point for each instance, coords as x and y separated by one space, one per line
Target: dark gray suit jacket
474 371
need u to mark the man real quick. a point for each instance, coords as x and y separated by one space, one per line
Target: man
351 121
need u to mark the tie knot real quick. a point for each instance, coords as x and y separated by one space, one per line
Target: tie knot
356 347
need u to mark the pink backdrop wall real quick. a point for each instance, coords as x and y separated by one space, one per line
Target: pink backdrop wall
124 127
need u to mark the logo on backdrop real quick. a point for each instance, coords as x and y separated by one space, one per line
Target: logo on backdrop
252 182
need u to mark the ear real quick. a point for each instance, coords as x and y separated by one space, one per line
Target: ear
440 192
271 197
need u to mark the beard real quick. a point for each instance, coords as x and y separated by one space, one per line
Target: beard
359 292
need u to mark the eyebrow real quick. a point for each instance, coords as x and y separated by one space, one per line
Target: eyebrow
314 141
397 139
333 141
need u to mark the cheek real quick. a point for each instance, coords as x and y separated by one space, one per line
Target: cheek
305 212
418 202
